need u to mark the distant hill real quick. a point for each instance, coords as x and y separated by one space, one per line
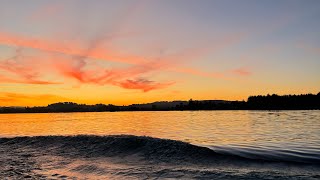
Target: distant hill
159 105
267 102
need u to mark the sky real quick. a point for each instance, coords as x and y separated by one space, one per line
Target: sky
137 51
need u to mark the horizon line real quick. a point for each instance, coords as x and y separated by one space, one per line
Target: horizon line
191 99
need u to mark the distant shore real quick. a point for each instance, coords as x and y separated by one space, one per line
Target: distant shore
267 102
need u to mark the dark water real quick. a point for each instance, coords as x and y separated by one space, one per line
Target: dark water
201 144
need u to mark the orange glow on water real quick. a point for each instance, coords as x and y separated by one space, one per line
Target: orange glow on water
199 127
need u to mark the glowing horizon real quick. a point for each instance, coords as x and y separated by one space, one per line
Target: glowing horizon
139 51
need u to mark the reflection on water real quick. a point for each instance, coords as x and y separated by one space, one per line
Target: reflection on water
286 129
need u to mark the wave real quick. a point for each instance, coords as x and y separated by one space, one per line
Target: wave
269 154
152 149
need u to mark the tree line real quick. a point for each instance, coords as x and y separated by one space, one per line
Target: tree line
260 102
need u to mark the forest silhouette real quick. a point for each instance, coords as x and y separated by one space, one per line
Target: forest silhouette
260 102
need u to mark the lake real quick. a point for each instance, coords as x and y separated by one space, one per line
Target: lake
276 136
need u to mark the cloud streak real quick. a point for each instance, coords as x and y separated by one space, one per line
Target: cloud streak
9 97
143 84
20 71
69 59
77 68
128 78
29 70
68 48
94 50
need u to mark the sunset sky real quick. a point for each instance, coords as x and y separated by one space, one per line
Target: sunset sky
135 51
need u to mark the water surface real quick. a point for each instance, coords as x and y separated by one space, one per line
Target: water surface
227 144
285 129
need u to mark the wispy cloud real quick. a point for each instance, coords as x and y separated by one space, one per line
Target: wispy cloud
30 70
143 84
68 48
95 51
68 59
76 67
128 78
241 71
20 71
9 97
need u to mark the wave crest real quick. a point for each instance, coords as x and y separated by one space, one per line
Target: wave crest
164 150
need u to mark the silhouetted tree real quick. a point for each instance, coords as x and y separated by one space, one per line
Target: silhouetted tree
267 102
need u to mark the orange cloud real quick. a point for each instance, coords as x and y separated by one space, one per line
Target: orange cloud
76 67
7 97
19 71
94 50
28 70
122 77
4 79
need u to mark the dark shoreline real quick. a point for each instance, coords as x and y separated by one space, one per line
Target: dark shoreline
269 102
271 110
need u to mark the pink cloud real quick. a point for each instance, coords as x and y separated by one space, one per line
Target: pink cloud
143 84
122 77
68 48
241 71
28 70
75 66
94 50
